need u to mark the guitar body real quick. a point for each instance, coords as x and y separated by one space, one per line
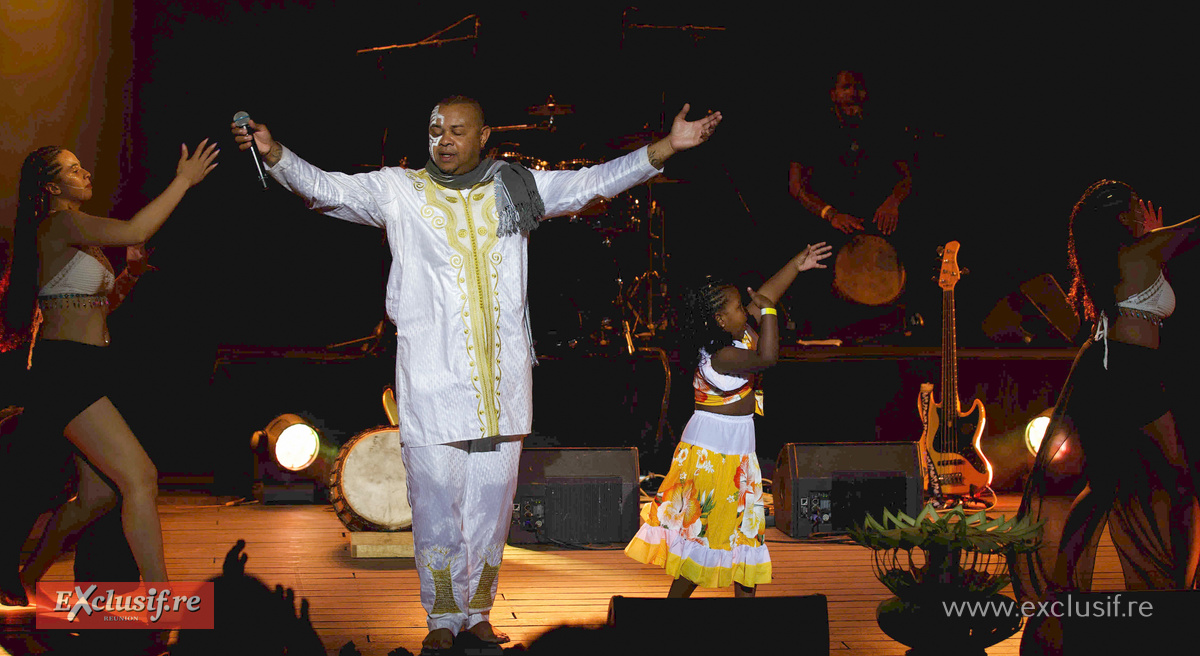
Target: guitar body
952 444
950 439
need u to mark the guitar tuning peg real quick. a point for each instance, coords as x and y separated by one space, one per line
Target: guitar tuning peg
941 250
965 271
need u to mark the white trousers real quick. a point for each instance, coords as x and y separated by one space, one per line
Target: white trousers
461 495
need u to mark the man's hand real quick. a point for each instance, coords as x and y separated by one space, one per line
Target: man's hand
887 215
270 150
684 134
689 134
847 223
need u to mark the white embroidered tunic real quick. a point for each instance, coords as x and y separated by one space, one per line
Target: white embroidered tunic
456 292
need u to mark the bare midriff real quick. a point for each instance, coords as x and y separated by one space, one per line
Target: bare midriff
83 324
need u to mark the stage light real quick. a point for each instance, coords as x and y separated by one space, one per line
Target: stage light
1009 452
1035 430
297 446
292 460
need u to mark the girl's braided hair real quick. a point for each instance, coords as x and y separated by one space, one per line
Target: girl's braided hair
698 319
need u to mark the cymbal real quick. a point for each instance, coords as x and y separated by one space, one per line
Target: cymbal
550 108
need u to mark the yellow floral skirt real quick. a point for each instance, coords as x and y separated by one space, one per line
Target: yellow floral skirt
707 521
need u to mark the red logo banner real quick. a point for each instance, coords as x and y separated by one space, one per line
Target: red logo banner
158 606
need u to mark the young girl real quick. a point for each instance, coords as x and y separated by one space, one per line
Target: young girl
706 525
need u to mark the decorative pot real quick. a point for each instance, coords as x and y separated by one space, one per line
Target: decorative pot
928 624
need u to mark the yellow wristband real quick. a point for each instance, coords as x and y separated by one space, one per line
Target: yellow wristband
765 311
824 210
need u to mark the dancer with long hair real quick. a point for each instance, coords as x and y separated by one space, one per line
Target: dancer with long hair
57 299
1113 453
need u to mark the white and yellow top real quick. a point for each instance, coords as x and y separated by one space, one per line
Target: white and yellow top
456 292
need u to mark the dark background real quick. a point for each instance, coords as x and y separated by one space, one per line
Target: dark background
1018 114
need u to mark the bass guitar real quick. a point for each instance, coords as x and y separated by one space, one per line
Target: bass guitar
950 439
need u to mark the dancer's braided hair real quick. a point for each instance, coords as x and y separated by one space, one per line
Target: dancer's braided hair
1094 235
18 285
698 320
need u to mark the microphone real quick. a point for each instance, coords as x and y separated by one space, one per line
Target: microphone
242 120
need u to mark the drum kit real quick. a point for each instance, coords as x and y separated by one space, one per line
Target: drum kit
607 282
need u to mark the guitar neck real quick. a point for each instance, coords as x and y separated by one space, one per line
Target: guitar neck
949 354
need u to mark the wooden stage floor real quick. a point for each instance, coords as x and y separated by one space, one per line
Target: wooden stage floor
374 602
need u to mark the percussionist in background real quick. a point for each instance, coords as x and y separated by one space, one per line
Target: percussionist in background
853 172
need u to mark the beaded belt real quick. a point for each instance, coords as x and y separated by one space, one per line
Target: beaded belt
57 302
60 301
1141 314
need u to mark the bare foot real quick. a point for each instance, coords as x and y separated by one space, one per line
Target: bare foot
438 639
488 633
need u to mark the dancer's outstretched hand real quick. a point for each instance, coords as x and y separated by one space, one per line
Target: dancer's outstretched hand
1153 220
810 257
195 166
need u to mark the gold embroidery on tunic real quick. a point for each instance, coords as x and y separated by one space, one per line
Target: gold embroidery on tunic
472 237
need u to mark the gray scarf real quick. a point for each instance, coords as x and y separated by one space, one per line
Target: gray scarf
519 205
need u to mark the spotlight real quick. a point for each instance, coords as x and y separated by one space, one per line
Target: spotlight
1035 430
1010 453
292 461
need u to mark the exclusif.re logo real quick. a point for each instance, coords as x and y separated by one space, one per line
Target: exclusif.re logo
175 605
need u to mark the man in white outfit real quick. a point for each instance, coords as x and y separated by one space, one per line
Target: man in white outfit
459 233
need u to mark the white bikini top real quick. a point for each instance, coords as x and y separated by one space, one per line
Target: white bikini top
83 274
1154 303
1157 299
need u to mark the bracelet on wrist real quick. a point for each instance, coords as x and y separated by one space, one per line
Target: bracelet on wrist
825 210
762 312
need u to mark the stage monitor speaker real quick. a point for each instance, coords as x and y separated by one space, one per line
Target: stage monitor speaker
576 496
806 618
1127 622
827 487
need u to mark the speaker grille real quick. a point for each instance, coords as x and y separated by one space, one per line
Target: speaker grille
576 495
829 486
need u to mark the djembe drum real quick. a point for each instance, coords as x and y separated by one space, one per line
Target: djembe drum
368 486
868 271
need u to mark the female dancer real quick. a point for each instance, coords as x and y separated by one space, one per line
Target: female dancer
1113 406
706 524
58 289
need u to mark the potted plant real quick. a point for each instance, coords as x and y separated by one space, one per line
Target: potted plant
946 571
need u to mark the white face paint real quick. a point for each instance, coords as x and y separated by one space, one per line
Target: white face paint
435 118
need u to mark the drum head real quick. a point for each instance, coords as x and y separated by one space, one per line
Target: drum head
370 483
868 271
